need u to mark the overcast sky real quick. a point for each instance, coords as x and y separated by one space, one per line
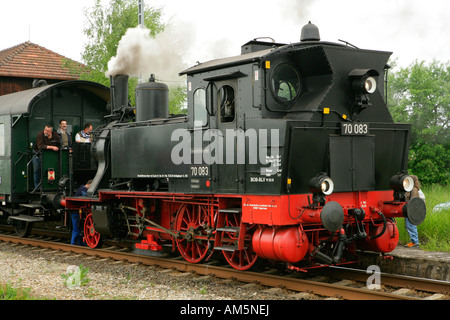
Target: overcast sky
412 29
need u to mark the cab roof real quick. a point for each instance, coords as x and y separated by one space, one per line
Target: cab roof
257 55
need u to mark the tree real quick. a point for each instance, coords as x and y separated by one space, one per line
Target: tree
106 25
177 100
430 162
419 94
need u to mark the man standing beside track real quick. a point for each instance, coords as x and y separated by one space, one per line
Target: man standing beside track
77 239
410 228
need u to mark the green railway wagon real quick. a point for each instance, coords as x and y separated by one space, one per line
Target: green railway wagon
24 114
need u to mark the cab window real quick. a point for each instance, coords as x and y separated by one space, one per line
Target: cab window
226 103
200 113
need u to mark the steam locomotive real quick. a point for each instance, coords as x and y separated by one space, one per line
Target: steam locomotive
288 154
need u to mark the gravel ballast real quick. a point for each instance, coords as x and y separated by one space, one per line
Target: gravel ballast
41 270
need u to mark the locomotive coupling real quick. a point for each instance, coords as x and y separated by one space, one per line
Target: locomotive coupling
337 253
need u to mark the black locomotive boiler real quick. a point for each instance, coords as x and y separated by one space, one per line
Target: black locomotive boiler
288 153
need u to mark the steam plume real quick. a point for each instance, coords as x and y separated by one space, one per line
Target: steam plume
140 54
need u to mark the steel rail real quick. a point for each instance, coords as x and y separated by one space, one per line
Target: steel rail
318 288
395 280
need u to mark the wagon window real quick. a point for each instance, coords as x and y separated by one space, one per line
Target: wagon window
200 113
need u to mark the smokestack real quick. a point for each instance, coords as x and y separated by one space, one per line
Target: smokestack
119 92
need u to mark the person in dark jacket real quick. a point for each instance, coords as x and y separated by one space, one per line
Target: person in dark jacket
410 228
77 239
82 190
47 139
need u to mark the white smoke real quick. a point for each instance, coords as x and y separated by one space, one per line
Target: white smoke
139 54
176 48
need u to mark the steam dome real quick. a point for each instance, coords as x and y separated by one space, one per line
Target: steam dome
310 32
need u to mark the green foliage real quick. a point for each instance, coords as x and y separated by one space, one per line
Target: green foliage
106 25
419 94
430 162
8 292
203 290
177 100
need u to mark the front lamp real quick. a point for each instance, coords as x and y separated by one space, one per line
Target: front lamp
364 80
370 85
408 184
402 182
321 184
363 83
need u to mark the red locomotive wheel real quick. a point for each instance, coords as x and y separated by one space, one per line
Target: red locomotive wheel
91 237
193 244
239 259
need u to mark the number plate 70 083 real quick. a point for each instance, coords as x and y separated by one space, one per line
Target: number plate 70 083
354 129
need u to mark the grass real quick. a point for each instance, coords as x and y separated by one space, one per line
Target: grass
434 232
8 292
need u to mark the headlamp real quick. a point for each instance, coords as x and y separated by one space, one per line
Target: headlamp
408 183
364 80
370 85
321 184
327 186
402 182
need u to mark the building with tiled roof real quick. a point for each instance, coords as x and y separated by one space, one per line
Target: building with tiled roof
21 65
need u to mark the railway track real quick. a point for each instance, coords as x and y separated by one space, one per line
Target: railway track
352 288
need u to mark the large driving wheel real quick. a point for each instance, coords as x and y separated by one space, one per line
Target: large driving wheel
244 259
91 237
191 221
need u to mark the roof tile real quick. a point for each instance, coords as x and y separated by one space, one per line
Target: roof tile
29 60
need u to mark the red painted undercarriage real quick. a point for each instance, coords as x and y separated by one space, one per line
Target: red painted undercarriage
246 228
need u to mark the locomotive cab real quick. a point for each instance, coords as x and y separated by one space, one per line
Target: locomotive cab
314 126
310 94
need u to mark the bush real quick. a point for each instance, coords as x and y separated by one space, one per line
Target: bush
430 162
